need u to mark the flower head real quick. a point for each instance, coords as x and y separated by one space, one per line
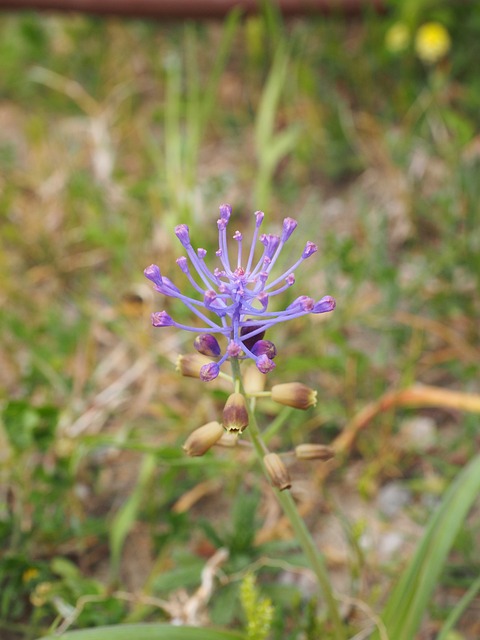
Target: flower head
397 37
233 299
432 42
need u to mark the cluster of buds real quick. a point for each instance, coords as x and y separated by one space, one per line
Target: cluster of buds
235 421
233 300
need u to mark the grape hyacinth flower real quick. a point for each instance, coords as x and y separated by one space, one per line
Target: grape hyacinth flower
233 299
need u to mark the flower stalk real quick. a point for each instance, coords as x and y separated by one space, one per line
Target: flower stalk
287 503
232 302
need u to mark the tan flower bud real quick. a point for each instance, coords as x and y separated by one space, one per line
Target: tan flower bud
294 394
277 471
253 380
191 364
314 452
235 413
203 438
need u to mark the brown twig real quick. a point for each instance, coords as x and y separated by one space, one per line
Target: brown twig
415 396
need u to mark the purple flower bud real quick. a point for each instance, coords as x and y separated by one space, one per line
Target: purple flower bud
207 345
289 226
264 364
290 279
225 212
153 273
249 342
259 215
209 372
264 347
271 242
309 250
183 264
302 303
233 349
182 233
237 236
162 319
201 253
327 303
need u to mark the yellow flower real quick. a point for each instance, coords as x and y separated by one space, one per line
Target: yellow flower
432 42
397 38
30 574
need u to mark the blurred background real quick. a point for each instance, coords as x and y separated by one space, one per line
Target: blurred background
365 128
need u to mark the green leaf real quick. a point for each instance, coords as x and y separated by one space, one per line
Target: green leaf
407 603
148 632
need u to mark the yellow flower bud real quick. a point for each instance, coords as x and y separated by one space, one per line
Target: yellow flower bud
314 452
294 394
277 471
203 438
235 413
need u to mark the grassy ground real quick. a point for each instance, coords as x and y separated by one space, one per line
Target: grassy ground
113 132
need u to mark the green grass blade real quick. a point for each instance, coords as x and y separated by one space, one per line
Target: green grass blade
267 109
407 603
148 632
124 519
458 609
221 59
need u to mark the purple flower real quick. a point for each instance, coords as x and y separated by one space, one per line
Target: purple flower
233 300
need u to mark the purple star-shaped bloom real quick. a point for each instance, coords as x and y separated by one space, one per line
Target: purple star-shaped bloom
233 299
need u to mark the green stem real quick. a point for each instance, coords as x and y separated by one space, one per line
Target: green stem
302 534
